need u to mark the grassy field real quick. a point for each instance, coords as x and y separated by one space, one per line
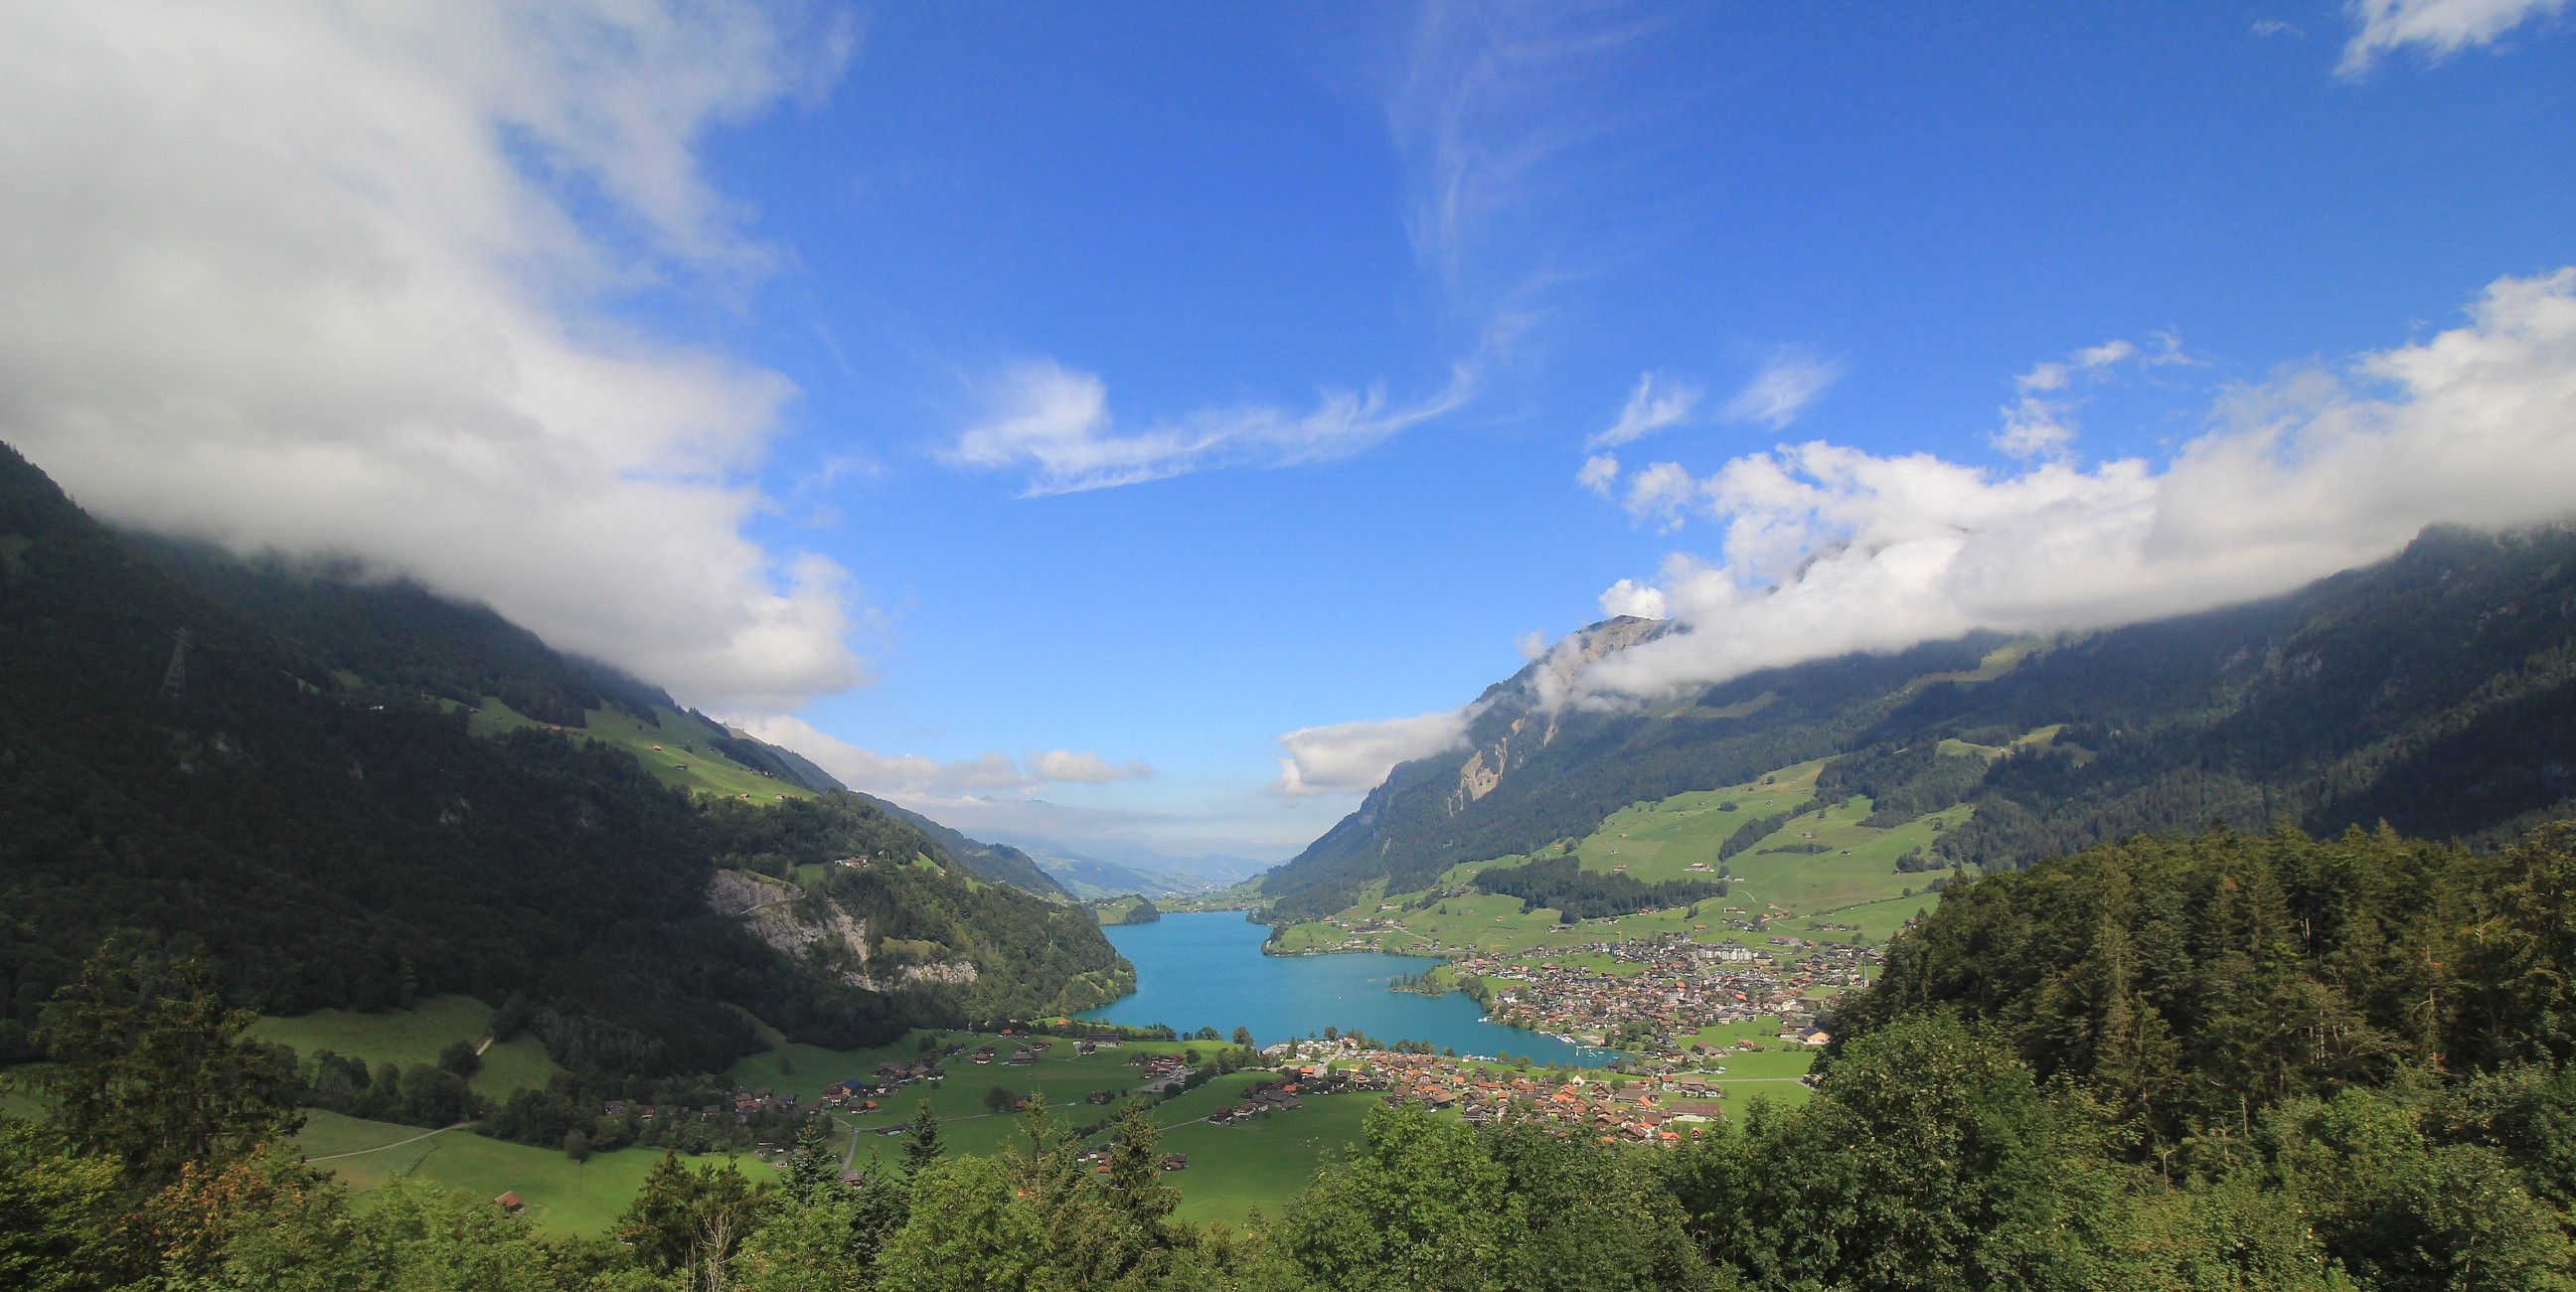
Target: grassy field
565 1198
16 1099
674 749
1851 880
1062 1078
1258 1164
411 1036
1233 1169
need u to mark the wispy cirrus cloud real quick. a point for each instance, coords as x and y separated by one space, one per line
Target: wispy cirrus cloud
1789 381
2435 29
1656 402
1053 424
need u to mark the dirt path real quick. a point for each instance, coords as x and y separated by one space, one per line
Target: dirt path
359 1152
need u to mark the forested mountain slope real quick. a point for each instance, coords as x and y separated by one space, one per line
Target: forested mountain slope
2436 690
335 837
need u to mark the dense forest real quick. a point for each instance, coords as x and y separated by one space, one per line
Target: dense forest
353 846
1579 894
2230 1061
2435 690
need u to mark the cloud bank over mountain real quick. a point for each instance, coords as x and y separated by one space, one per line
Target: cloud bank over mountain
359 281
1827 549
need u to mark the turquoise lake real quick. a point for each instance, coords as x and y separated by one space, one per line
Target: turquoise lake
1205 969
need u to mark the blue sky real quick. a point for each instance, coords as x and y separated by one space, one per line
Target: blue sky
1051 381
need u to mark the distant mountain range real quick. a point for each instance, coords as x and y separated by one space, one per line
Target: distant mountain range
1094 871
2435 690
353 792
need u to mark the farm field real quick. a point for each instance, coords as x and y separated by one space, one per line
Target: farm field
414 1036
565 1199
1258 1165
1062 1078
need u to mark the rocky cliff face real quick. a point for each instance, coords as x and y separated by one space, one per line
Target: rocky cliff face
1524 715
786 919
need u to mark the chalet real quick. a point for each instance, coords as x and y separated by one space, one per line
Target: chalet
1176 1162
1021 1058
511 1202
984 1055
1102 1040
1696 1110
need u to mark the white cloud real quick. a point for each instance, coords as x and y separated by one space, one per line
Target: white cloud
1829 549
1629 597
1348 757
2275 27
333 280
1655 403
1054 423
2035 427
1664 491
1599 473
915 779
1789 382
2039 423
1085 768
2438 28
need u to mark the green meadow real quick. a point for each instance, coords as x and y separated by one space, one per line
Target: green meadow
1820 868
674 749
565 1198
413 1036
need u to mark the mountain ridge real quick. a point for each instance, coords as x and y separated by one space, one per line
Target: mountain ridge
342 840
2346 701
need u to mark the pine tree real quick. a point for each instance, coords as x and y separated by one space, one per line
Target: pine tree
811 1166
153 1070
1136 1174
921 1145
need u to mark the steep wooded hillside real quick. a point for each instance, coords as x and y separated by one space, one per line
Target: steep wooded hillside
2436 690
336 838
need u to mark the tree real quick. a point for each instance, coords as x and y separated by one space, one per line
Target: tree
1136 1174
810 1166
1001 1099
153 1071
683 1220
1243 1037
921 1145
576 1146
461 1058
1421 1207
60 1228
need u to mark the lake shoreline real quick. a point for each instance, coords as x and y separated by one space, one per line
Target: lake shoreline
1199 969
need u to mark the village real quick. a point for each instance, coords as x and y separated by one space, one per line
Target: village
1654 995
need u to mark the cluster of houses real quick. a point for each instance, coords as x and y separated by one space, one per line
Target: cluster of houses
1676 987
743 1103
1266 1096
1651 1110
1098 1159
1163 1072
